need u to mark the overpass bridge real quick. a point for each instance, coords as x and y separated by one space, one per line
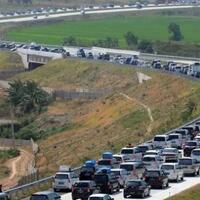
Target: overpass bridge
33 59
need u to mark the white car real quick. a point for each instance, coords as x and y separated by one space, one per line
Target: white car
161 141
132 153
152 161
176 140
122 175
173 171
100 197
195 154
64 181
197 138
171 154
135 170
120 158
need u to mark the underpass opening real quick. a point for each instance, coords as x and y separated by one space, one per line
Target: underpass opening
32 65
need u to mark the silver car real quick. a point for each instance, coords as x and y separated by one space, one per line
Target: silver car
189 165
122 175
173 171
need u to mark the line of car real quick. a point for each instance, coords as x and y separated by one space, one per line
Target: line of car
192 70
137 169
51 10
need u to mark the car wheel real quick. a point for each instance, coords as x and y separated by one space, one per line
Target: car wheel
182 178
149 193
110 191
167 184
55 190
125 196
118 188
198 172
142 195
177 179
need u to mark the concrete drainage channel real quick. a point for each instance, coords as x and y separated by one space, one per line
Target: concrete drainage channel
18 192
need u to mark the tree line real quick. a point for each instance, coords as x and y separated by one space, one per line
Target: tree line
19 2
131 40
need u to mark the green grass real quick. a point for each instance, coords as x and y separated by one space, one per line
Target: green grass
190 194
7 154
145 27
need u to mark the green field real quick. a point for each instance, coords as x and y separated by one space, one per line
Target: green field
154 28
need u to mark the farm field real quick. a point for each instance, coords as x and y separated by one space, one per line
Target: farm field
154 28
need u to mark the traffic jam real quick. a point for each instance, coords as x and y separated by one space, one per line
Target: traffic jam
136 170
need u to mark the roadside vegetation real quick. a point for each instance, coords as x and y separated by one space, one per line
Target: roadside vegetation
10 60
162 32
10 153
109 122
192 194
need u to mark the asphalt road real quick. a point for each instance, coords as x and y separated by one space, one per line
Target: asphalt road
51 16
156 194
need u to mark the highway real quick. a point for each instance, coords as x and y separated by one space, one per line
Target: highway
174 188
76 13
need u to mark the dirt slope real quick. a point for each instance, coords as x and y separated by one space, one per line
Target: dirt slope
111 121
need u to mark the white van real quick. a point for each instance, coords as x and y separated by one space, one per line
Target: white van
135 170
161 141
152 161
195 154
132 153
176 140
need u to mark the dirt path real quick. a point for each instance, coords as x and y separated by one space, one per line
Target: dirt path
146 107
18 167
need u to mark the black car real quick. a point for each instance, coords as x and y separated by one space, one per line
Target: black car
135 188
189 146
107 182
156 178
87 173
83 189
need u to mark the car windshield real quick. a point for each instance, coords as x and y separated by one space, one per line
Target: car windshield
134 183
149 159
196 152
87 169
185 162
99 178
96 198
39 197
152 173
142 149
127 167
167 167
127 151
159 138
170 151
117 173
104 162
61 176
118 159
191 143
173 137
81 184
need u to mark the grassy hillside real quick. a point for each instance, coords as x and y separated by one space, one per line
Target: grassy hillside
77 130
154 28
192 194
10 60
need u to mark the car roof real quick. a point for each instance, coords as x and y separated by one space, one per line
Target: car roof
116 170
43 193
196 149
98 195
129 163
169 148
3 194
161 135
153 151
170 164
153 156
86 181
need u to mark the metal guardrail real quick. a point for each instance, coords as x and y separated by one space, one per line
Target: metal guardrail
13 193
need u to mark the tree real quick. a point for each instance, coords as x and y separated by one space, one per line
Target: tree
145 46
131 39
70 41
175 31
27 96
